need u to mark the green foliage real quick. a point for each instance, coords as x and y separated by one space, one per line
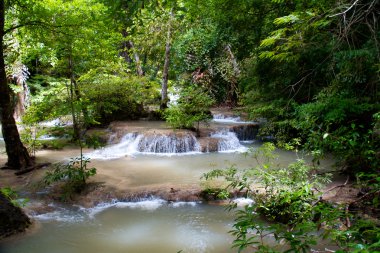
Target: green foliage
282 195
311 82
192 107
195 46
111 94
74 174
29 137
13 197
49 102
341 124
287 208
55 144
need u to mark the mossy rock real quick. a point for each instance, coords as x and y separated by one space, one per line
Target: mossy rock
12 218
56 144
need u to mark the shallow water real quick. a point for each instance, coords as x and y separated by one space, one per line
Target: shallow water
147 170
148 226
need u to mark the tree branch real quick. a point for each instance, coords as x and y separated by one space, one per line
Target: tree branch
344 12
35 23
330 189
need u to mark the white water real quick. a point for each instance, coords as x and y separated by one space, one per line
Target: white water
241 202
228 142
128 146
226 119
168 144
56 122
133 143
220 118
47 137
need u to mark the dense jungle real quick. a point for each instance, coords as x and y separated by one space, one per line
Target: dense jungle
189 126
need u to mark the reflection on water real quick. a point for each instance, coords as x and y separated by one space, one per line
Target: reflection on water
145 170
148 226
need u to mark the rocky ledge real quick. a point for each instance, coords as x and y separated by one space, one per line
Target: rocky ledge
12 218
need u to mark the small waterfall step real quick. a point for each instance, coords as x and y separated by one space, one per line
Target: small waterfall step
150 143
131 138
228 141
172 143
246 132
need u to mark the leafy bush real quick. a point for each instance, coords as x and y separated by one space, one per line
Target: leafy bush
109 96
343 125
29 137
49 103
287 206
283 195
192 107
74 174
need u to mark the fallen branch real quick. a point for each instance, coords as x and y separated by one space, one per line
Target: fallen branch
330 189
337 186
29 169
365 195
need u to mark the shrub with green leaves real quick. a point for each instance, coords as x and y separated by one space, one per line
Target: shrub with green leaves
281 195
74 174
30 138
288 207
192 108
111 94
49 100
12 195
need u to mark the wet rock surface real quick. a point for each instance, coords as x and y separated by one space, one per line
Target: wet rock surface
12 219
159 138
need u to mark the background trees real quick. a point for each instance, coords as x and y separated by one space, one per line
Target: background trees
282 60
311 68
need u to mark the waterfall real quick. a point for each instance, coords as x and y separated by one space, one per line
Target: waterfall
134 143
246 132
228 141
225 119
158 143
169 143
128 145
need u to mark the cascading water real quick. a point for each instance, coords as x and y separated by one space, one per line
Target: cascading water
169 144
128 145
133 143
228 141
225 119
247 132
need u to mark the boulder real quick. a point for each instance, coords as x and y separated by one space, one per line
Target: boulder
12 219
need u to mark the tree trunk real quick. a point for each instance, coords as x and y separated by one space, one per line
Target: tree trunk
165 76
232 95
124 52
12 218
76 134
139 69
18 156
22 99
126 47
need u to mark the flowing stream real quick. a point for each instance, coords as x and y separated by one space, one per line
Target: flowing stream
139 162
146 226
